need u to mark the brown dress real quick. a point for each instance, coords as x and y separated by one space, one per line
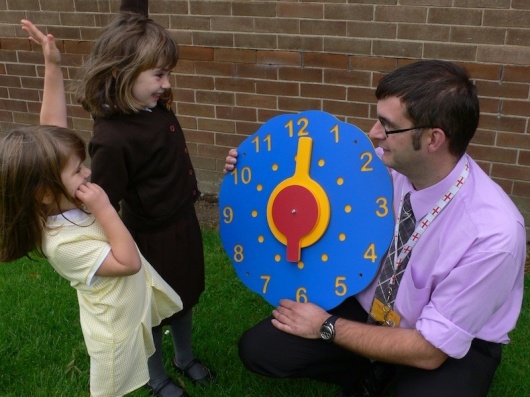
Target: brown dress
142 161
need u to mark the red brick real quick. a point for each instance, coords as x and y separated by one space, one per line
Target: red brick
323 28
198 110
349 109
502 123
510 172
519 141
349 12
231 24
297 74
401 13
279 58
260 41
448 51
279 88
455 16
516 108
197 82
521 188
504 54
235 113
484 137
347 45
300 10
235 56
302 43
334 61
506 18
323 91
257 101
216 125
298 104
501 89
196 53
397 48
201 7
408 31
493 154
266 72
277 26
516 73
235 84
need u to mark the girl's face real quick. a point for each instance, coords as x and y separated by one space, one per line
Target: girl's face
149 85
73 175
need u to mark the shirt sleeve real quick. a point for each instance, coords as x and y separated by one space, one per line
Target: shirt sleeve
77 258
484 286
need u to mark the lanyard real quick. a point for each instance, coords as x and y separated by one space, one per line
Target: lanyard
425 222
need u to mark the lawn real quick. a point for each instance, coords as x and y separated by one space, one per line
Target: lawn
42 351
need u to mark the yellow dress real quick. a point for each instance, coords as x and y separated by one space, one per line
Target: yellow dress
116 313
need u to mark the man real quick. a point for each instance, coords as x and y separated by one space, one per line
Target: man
434 326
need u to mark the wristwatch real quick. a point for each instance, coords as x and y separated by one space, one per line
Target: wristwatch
327 329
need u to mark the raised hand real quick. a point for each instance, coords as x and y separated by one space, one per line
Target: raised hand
47 41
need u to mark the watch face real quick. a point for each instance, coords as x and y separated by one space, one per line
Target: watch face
307 212
326 332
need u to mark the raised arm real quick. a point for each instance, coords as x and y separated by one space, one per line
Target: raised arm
53 108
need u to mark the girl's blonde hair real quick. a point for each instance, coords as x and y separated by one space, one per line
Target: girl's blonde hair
31 162
129 45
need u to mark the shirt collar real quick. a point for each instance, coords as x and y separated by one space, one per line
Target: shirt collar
424 200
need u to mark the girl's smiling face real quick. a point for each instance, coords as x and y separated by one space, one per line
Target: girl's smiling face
149 85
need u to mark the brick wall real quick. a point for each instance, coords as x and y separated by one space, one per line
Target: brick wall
243 62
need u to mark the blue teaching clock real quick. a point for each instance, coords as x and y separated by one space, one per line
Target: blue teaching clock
307 212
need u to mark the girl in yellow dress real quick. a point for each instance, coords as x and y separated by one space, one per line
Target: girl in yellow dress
48 207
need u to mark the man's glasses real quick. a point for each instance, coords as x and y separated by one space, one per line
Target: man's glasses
402 130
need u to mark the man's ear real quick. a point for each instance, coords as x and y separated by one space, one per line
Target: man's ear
437 139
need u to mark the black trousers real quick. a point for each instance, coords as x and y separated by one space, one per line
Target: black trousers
265 350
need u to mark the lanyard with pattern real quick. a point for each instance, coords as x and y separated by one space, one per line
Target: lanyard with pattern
425 222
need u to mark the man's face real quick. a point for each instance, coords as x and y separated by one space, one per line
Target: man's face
398 151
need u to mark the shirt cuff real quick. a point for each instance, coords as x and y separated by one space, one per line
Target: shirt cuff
443 334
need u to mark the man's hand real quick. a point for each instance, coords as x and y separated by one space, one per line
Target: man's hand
301 319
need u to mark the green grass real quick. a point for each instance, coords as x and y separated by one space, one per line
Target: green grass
42 352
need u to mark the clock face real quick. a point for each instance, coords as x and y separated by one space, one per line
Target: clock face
307 212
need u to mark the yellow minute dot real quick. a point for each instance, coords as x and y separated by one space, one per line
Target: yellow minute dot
321 163
300 265
275 167
261 239
340 181
259 187
254 213
324 257
342 236
347 209
277 257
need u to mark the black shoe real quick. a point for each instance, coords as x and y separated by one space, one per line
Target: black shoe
167 389
204 380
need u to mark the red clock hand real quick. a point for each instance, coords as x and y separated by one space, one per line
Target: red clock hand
295 215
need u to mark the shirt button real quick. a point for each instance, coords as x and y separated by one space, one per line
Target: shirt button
186 150
172 128
190 172
194 192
